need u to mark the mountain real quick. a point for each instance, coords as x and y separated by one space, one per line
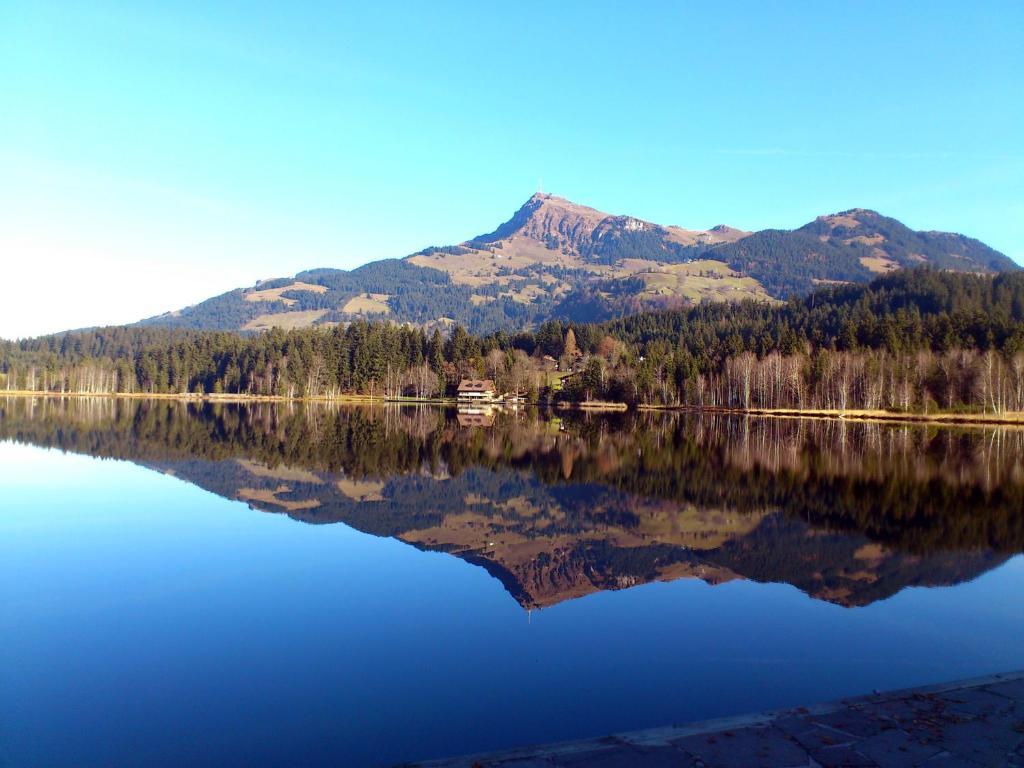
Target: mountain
556 259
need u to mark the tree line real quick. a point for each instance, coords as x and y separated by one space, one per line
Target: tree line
911 340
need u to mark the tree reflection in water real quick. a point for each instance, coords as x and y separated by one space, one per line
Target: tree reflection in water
559 506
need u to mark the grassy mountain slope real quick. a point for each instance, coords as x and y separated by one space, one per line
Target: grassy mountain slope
554 259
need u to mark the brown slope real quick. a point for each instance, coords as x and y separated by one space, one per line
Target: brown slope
550 234
562 225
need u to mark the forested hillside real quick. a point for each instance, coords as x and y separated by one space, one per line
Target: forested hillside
391 288
910 340
850 246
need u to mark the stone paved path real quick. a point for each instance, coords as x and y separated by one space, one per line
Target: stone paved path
969 723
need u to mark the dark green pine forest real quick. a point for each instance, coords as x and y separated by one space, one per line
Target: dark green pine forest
919 339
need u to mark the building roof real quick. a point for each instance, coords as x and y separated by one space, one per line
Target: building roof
476 385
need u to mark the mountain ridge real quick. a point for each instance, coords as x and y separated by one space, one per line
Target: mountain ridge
556 259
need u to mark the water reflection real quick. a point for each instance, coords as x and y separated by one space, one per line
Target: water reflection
560 506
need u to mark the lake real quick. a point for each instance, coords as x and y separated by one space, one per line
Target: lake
273 584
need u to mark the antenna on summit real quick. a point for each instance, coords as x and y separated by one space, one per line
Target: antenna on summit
540 185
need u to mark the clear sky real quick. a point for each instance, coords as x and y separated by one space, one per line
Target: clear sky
155 154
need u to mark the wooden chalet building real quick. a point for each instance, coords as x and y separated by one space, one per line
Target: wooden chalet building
477 392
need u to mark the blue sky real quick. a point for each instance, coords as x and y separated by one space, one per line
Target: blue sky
152 155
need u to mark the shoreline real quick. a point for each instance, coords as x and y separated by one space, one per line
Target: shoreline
960 722
1008 419
187 397
1011 418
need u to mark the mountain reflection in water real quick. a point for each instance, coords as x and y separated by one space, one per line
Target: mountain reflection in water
560 507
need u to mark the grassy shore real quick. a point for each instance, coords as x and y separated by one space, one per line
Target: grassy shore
594 405
195 398
1010 418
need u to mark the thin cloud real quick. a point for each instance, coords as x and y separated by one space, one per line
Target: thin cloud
861 155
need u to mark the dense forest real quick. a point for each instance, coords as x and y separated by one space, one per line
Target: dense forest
911 340
791 262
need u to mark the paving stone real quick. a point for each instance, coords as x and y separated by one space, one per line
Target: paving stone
499 761
793 724
627 757
819 737
745 748
923 720
980 743
895 749
842 757
975 701
1013 689
913 711
811 734
854 722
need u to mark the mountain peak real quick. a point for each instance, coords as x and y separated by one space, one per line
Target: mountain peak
547 218
850 219
725 233
546 200
555 258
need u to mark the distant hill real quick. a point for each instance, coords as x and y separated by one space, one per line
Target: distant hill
555 259
852 246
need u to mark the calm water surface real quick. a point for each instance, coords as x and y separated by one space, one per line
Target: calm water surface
268 585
